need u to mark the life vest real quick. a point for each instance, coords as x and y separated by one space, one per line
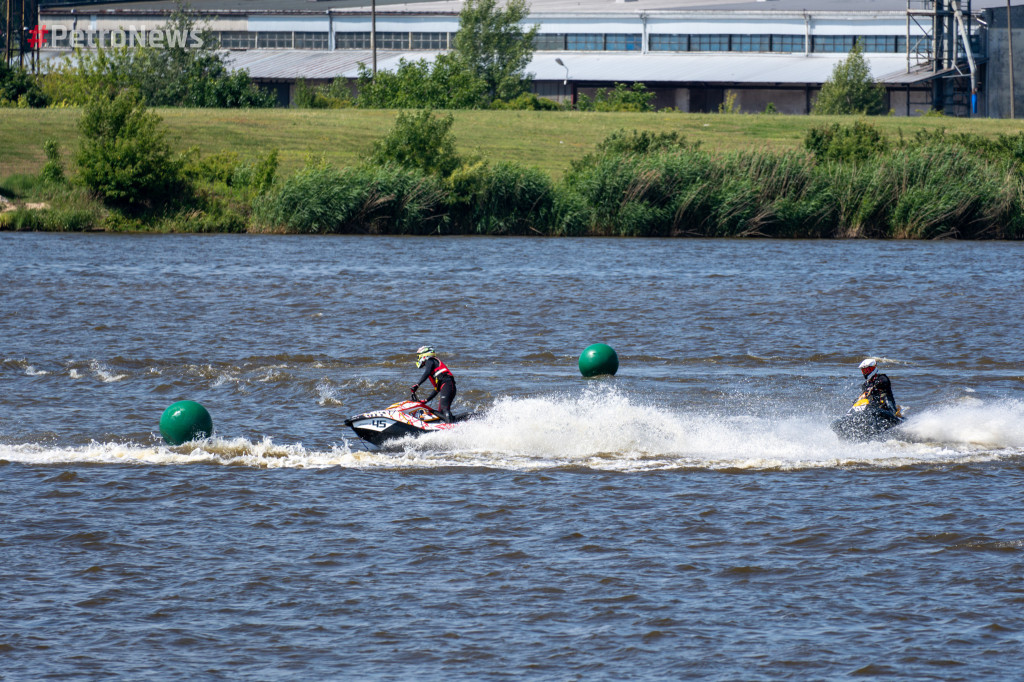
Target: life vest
875 392
438 377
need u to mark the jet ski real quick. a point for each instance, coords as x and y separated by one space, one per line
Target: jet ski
865 421
406 418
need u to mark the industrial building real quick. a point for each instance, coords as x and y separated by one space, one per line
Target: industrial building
950 55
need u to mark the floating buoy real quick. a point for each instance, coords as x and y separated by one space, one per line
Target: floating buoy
598 359
185 420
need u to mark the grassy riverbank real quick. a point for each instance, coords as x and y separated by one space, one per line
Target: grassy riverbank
525 172
547 140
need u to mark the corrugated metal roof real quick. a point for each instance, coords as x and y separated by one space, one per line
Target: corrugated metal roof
583 67
917 75
314 64
704 67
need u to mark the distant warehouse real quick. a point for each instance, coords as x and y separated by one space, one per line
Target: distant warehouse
940 54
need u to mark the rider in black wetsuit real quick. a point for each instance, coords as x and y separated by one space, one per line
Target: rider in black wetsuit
877 386
441 378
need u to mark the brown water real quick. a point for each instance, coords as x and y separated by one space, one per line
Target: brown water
694 517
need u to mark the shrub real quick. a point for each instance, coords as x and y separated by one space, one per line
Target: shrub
644 142
527 102
124 157
421 141
635 97
856 142
227 168
443 84
335 95
18 87
53 169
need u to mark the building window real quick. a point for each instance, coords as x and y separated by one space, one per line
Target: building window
709 42
832 43
352 41
430 41
623 42
237 40
751 43
878 43
665 42
274 40
549 42
310 41
392 41
787 43
584 41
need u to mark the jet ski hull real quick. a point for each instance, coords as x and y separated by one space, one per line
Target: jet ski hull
379 430
865 425
408 418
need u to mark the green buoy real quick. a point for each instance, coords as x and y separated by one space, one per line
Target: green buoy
598 359
185 420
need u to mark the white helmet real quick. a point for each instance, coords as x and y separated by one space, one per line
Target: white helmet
424 352
869 368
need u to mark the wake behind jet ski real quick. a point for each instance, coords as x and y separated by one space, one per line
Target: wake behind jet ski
874 412
411 417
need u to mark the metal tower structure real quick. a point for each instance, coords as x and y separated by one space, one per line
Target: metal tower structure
948 49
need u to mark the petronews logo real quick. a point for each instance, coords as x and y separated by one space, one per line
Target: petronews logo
161 38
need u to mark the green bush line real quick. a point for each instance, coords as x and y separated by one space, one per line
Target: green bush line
848 183
921 193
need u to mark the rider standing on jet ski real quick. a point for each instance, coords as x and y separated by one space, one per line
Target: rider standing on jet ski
441 378
877 387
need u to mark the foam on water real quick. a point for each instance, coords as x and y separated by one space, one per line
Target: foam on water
603 429
609 430
971 422
103 373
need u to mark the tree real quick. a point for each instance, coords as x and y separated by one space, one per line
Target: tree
492 45
850 89
177 74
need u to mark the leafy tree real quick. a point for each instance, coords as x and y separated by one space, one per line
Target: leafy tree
487 63
420 141
124 157
492 45
850 89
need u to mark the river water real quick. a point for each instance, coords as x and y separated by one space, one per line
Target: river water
691 518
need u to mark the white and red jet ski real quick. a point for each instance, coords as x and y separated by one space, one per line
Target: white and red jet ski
407 418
